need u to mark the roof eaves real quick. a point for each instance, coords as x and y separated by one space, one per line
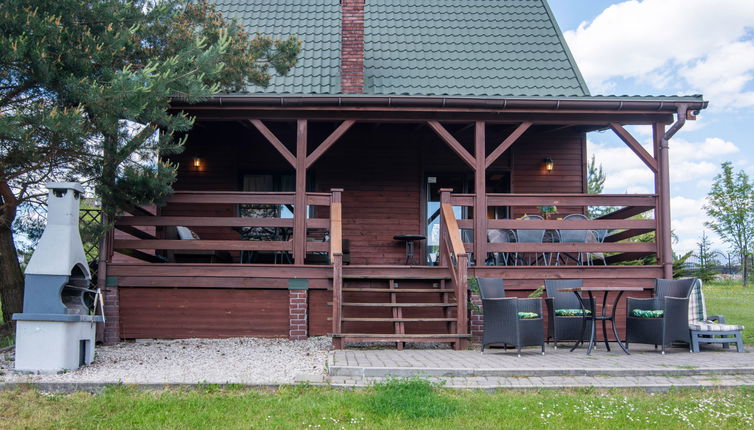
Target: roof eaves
567 50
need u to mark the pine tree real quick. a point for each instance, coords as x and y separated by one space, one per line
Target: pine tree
85 86
706 268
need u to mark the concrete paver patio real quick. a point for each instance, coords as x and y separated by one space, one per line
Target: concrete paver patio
645 367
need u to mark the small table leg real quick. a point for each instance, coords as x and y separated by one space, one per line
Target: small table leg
615 329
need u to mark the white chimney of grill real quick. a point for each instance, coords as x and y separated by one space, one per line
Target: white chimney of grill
60 248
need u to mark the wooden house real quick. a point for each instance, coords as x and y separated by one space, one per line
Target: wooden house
445 119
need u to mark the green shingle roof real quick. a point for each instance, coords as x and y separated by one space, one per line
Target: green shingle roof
423 47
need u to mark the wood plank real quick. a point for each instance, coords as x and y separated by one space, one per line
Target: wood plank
139 255
330 141
635 146
398 319
231 198
453 143
212 245
623 235
627 212
397 290
596 224
357 337
573 247
400 305
204 221
276 143
221 270
135 232
453 231
507 143
322 199
565 199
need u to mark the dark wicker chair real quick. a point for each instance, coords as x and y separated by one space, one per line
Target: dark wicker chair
672 297
561 328
502 324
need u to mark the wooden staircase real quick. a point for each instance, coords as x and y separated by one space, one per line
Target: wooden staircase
402 303
400 307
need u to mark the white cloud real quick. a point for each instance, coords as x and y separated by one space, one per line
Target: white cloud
672 45
694 162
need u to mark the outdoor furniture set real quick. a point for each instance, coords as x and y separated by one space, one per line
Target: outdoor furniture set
676 313
546 236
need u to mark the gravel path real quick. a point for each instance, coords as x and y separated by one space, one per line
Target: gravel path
235 360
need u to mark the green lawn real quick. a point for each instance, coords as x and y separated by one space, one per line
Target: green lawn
734 302
397 405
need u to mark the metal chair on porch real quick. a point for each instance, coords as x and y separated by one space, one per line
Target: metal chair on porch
564 310
532 236
662 319
509 320
573 236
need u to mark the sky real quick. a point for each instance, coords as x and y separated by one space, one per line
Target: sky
670 47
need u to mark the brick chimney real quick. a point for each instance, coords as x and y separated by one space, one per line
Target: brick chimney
352 46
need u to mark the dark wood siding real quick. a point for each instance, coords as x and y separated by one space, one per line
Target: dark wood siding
381 168
193 312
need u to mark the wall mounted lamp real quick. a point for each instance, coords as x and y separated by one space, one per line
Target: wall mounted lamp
549 164
197 162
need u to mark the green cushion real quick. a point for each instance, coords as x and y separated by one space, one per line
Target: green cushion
640 313
572 312
528 315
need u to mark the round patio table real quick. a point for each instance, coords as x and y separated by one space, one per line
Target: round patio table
603 316
409 239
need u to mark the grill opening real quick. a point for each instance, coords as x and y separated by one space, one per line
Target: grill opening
76 295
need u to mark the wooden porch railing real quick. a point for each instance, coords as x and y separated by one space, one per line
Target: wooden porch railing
201 208
617 223
453 254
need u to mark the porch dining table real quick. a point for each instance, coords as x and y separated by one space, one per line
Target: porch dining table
603 316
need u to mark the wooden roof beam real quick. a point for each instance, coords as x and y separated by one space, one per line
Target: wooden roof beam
290 158
505 144
454 144
635 146
329 142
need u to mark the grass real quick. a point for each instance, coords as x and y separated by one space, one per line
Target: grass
413 404
735 302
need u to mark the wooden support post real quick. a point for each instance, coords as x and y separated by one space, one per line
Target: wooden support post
299 206
462 291
337 300
480 189
663 235
658 130
336 222
444 199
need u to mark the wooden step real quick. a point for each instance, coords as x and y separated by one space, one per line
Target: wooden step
398 319
366 337
397 277
398 290
397 305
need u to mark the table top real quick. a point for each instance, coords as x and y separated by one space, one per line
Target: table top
608 289
408 237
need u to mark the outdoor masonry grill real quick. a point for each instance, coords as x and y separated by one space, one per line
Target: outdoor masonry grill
56 330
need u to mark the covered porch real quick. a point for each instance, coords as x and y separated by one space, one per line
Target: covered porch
254 265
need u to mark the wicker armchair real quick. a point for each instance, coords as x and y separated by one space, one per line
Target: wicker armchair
564 327
503 323
672 298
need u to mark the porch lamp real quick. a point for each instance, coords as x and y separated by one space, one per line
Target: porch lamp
197 162
549 164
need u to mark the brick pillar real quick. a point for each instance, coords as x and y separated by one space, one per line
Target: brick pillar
112 311
477 319
352 46
298 317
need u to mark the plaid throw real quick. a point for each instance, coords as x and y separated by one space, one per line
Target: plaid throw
697 309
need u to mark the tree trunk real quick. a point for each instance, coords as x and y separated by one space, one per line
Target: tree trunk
745 260
11 277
